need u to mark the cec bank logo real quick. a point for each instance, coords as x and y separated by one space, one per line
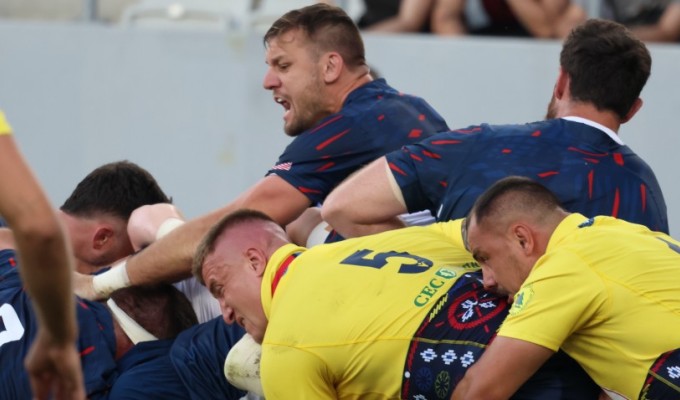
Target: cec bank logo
522 299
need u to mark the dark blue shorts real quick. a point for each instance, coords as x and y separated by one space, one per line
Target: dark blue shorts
455 334
663 379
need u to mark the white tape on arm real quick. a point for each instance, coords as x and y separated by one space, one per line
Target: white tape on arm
168 226
115 278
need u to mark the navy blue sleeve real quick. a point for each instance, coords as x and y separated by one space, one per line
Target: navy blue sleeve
423 170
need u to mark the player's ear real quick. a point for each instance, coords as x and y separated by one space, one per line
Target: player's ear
332 66
637 105
257 260
562 85
523 237
103 237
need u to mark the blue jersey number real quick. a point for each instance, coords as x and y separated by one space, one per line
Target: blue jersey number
13 329
369 258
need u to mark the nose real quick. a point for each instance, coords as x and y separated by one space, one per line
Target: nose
270 81
228 314
488 279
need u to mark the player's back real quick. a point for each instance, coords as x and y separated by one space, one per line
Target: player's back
591 172
18 327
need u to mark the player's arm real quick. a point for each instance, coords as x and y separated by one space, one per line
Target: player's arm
367 202
169 259
667 29
46 265
505 365
447 17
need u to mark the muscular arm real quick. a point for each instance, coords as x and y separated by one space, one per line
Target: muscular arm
412 16
666 30
46 265
367 202
505 365
169 259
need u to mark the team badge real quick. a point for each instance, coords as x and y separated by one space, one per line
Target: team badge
522 299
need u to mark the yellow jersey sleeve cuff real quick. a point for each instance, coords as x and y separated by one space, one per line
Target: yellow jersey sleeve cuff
5 129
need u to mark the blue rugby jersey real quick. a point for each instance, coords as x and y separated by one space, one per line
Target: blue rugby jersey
18 327
374 120
587 169
198 356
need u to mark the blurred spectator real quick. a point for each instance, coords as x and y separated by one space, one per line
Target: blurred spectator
397 15
376 11
650 20
537 18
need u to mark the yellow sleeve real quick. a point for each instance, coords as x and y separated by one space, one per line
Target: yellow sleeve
295 374
5 129
560 296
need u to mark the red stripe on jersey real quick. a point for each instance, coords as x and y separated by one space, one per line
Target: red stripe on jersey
421 117
396 169
591 179
332 139
307 190
643 196
87 351
381 117
506 151
325 166
431 155
547 174
415 133
615 207
330 121
83 305
592 160
441 142
444 184
587 152
281 271
415 157
473 130
12 262
536 133
618 158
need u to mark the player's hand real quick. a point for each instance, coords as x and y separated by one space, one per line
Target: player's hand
83 288
54 369
145 221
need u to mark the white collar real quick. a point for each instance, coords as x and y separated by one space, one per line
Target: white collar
594 124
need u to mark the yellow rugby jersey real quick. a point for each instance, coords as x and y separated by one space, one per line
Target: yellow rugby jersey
342 316
608 293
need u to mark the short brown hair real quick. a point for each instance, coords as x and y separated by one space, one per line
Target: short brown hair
608 66
229 221
329 28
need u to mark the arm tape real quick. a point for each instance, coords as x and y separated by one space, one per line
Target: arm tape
116 278
168 226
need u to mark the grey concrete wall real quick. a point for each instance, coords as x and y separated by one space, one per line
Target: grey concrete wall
189 105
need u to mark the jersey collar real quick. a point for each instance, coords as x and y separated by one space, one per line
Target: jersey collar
594 124
277 265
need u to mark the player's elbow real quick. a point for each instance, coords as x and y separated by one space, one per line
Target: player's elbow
336 214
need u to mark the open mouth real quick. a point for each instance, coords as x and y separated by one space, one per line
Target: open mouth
284 103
